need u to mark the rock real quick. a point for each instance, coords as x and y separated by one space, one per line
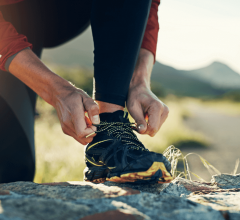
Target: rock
220 201
150 188
4 192
226 202
68 191
226 181
182 199
41 208
184 187
116 215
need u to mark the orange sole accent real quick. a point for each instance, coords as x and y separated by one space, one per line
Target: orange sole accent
146 175
100 180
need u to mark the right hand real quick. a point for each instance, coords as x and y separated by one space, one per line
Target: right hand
71 104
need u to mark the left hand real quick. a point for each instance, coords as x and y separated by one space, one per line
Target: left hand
142 104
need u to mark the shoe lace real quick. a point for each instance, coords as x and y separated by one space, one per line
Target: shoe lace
123 131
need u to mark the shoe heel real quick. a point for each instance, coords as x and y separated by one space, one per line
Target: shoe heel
96 174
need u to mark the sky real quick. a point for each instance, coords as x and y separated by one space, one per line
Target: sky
195 33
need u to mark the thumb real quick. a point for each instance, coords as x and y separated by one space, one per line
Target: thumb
138 116
93 111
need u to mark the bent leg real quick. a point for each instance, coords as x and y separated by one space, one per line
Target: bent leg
17 101
118 28
17 162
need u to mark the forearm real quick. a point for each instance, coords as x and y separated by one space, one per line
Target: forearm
142 104
143 69
28 68
69 101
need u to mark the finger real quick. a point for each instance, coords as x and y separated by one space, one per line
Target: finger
67 131
88 121
154 118
164 115
66 123
92 109
89 125
79 122
88 138
69 127
84 141
138 116
70 132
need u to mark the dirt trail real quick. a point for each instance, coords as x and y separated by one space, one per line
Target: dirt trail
223 132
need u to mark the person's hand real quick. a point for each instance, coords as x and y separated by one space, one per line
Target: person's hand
144 106
146 109
71 104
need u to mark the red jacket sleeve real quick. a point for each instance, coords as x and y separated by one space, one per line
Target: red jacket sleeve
8 2
10 41
151 33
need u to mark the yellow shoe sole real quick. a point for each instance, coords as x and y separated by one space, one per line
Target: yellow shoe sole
145 176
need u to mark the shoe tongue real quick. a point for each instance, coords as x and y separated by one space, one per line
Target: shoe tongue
117 116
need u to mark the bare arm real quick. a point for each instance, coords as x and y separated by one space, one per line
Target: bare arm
69 101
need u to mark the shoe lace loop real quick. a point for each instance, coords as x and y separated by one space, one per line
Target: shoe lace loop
123 131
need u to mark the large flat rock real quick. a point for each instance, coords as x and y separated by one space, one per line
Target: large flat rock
181 199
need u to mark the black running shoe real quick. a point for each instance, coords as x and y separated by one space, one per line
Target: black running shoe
116 154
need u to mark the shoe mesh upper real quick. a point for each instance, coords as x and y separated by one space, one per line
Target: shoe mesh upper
120 131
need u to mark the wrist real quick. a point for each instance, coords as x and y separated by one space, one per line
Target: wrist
58 87
27 67
140 78
142 73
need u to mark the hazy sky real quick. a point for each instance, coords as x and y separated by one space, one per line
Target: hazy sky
194 33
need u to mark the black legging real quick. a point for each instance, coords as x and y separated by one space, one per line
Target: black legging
118 27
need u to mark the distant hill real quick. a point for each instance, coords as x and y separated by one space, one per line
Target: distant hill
175 82
218 74
210 81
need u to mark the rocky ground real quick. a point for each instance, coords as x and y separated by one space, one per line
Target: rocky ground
181 199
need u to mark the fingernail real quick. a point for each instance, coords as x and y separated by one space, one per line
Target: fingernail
140 127
95 119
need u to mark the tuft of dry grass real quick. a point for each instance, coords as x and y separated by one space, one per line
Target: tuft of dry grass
174 155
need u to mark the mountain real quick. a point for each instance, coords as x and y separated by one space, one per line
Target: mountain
175 82
218 74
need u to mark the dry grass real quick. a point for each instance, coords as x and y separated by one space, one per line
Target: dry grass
174 155
58 156
223 106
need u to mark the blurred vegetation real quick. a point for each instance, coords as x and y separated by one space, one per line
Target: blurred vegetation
80 77
58 156
158 89
233 95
